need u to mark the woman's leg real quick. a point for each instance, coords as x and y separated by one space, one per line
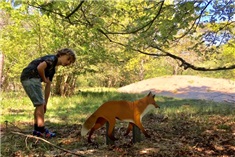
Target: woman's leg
39 117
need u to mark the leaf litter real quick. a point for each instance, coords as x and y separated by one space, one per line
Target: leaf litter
171 137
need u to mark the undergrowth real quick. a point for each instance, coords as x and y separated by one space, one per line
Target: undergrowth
179 127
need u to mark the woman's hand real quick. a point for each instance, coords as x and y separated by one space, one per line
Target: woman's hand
45 108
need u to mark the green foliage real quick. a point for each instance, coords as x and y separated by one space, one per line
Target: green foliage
75 109
193 120
107 37
195 107
67 110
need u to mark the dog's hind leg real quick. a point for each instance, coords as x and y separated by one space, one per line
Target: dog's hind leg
129 128
112 123
99 123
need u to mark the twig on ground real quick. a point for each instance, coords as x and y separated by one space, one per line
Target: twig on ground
38 138
7 122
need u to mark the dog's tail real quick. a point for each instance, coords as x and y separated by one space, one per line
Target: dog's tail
88 124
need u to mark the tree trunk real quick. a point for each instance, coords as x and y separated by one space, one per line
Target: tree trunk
65 85
1 69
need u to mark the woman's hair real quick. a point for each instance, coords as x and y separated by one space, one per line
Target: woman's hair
67 51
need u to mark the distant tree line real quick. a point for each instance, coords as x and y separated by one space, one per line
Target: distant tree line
119 42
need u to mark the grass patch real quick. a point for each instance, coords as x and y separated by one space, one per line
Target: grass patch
179 126
69 110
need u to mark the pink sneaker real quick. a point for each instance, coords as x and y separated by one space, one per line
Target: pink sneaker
49 134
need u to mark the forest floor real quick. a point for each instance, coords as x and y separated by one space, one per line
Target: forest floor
186 87
185 132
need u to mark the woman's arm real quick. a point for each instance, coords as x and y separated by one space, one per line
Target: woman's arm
41 70
47 94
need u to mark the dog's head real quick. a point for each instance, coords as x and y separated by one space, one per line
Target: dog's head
150 99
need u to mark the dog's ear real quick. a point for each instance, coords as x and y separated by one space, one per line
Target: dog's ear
150 93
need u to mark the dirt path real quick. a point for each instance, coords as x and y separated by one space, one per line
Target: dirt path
186 87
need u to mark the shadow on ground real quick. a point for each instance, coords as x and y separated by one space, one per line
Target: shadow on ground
178 128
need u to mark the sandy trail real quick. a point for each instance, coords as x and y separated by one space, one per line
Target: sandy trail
186 87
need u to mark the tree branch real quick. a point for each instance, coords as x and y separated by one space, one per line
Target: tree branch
38 138
148 24
76 9
42 7
184 63
194 23
187 65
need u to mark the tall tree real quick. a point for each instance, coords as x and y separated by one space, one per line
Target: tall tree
155 27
